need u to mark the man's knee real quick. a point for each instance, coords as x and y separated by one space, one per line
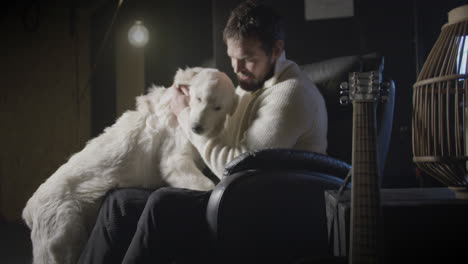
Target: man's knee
120 204
164 198
114 198
170 204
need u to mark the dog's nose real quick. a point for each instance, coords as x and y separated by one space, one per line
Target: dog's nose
197 129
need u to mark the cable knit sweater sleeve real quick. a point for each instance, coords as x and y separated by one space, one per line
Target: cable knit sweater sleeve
277 116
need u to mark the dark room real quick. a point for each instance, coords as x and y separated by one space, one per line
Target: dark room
233 131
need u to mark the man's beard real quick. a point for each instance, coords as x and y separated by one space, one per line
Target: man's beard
254 85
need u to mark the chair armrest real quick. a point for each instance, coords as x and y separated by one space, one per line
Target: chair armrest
288 159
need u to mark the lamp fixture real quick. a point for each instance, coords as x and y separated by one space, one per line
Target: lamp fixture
440 107
138 35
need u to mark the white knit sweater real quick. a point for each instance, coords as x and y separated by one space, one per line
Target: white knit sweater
287 112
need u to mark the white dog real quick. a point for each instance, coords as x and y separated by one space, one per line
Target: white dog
144 148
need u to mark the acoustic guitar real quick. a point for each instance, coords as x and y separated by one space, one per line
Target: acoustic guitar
364 91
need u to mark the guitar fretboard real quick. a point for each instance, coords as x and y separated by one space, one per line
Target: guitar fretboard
365 195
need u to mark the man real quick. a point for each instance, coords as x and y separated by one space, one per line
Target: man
279 107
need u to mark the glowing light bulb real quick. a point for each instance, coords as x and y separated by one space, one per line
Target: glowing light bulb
138 35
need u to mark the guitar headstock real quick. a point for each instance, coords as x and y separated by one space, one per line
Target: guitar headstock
365 86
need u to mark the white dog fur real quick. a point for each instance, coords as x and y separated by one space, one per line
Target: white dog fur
144 148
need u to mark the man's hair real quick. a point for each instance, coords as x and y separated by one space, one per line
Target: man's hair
254 20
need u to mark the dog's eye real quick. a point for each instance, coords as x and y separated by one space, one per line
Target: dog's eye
199 99
217 108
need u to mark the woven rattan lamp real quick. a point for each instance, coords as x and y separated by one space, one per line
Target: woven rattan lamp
440 106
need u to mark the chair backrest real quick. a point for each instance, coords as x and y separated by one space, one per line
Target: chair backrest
263 214
328 75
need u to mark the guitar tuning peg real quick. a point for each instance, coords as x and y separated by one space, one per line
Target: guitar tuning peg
344 86
344 100
384 98
384 90
344 93
386 85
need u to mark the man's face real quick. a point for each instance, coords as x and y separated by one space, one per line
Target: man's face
250 62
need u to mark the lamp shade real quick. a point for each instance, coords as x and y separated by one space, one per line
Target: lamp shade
440 105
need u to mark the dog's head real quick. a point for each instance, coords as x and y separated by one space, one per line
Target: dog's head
212 98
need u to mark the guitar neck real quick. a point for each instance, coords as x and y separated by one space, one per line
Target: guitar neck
365 195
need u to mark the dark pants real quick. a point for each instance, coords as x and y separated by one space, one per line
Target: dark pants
144 226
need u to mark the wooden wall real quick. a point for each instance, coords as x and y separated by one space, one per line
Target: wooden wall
43 68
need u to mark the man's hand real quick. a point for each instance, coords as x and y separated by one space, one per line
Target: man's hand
180 98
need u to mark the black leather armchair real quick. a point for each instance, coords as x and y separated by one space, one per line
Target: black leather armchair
270 205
